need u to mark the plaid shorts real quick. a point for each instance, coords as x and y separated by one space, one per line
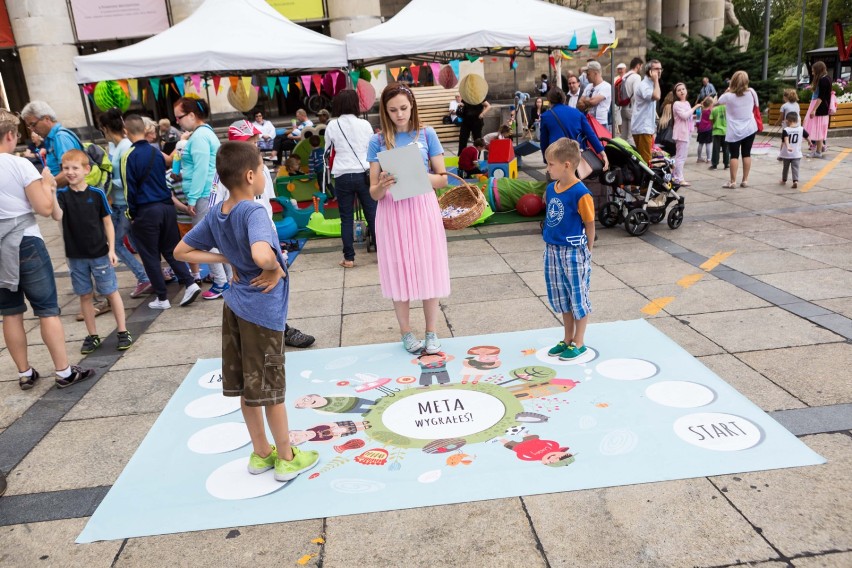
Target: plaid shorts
568 271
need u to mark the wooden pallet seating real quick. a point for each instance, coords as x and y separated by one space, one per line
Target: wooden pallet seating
433 104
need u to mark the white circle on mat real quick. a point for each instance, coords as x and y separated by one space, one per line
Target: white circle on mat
341 362
445 413
589 355
718 431
232 482
219 438
212 405
618 442
356 485
587 422
429 476
211 380
627 369
680 394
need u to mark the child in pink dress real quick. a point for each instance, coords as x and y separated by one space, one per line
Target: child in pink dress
682 113
410 238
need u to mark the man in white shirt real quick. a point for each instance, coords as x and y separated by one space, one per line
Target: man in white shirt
25 192
630 81
454 107
574 92
620 70
643 125
597 97
267 131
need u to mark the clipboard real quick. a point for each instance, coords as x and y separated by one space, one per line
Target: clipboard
406 165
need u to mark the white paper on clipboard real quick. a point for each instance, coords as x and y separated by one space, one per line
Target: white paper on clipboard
406 165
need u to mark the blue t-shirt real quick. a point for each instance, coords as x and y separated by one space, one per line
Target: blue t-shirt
426 138
233 234
566 213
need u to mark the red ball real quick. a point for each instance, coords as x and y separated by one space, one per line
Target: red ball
529 205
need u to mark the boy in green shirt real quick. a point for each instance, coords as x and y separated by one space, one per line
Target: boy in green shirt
720 127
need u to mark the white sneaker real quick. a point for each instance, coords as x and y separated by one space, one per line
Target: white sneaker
432 344
191 293
160 304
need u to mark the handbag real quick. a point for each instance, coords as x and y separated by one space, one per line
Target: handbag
599 129
590 163
757 116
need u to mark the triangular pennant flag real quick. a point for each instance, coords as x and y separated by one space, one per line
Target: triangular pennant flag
354 75
602 50
532 44
471 58
614 44
133 85
266 89
88 88
403 68
196 82
256 88
455 65
394 71
593 43
306 84
155 86
144 96
246 81
216 80
179 84
552 61
425 64
123 84
436 70
565 54
572 45
376 73
317 79
415 72
234 81
514 64
285 84
167 89
270 86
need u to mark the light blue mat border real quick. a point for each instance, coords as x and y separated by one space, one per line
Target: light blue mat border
618 437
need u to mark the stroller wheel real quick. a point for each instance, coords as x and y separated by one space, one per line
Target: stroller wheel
637 222
675 217
657 215
609 177
610 214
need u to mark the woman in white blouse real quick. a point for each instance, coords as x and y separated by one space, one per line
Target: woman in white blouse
740 101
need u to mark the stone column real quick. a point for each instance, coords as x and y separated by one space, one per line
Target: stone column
675 19
706 18
347 16
654 15
45 42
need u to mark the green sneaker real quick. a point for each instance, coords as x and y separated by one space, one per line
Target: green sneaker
258 464
302 462
557 349
572 352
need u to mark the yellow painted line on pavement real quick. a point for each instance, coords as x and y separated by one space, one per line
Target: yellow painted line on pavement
688 281
824 171
654 306
716 260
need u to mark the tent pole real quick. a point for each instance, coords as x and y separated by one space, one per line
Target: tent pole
612 108
207 94
86 113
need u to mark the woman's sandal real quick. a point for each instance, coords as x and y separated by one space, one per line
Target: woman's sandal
730 185
744 184
347 263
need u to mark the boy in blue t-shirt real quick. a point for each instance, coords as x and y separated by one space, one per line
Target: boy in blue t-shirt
569 231
255 311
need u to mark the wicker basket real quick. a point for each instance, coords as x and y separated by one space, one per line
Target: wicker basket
463 196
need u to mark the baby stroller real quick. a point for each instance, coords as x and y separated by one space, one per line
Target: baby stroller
649 201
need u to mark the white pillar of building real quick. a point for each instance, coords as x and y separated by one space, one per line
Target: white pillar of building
348 16
706 18
675 18
654 15
45 42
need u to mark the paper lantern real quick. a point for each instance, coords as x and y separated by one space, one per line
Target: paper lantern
447 77
242 99
366 95
333 83
108 94
473 89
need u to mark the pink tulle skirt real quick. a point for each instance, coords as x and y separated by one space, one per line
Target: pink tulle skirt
817 126
412 249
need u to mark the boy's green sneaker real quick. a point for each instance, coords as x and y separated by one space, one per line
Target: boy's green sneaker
258 464
302 462
572 352
557 349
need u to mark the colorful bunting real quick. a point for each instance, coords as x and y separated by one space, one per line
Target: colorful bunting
436 70
266 90
133 85
196 82
306 83
415 73
88 88
270 86
455 65
593 43
246 81
167 89
155 86
514 65
180 85
376 73
394 71
572 45
552 61
471 58
285 84
256 88
317 79
353 76
216 80
532 44
123 84
234 81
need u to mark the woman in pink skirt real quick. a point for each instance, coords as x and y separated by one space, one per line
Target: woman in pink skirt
816 121
410 238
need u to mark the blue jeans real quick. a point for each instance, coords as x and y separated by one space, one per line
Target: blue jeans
36 282
346 188
122 228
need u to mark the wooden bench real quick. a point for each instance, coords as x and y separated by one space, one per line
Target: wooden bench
433 104
842 119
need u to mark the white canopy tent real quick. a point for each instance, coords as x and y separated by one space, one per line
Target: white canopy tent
220 36
475 26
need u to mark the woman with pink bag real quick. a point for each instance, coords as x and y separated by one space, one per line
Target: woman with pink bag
740 102
816 120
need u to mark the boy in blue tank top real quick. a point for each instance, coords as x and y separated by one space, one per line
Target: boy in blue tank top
569 232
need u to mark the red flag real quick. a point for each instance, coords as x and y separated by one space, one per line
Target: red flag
552 61
415 72
216 80
532 45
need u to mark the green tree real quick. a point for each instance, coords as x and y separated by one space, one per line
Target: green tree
784 40
689 59
751 13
